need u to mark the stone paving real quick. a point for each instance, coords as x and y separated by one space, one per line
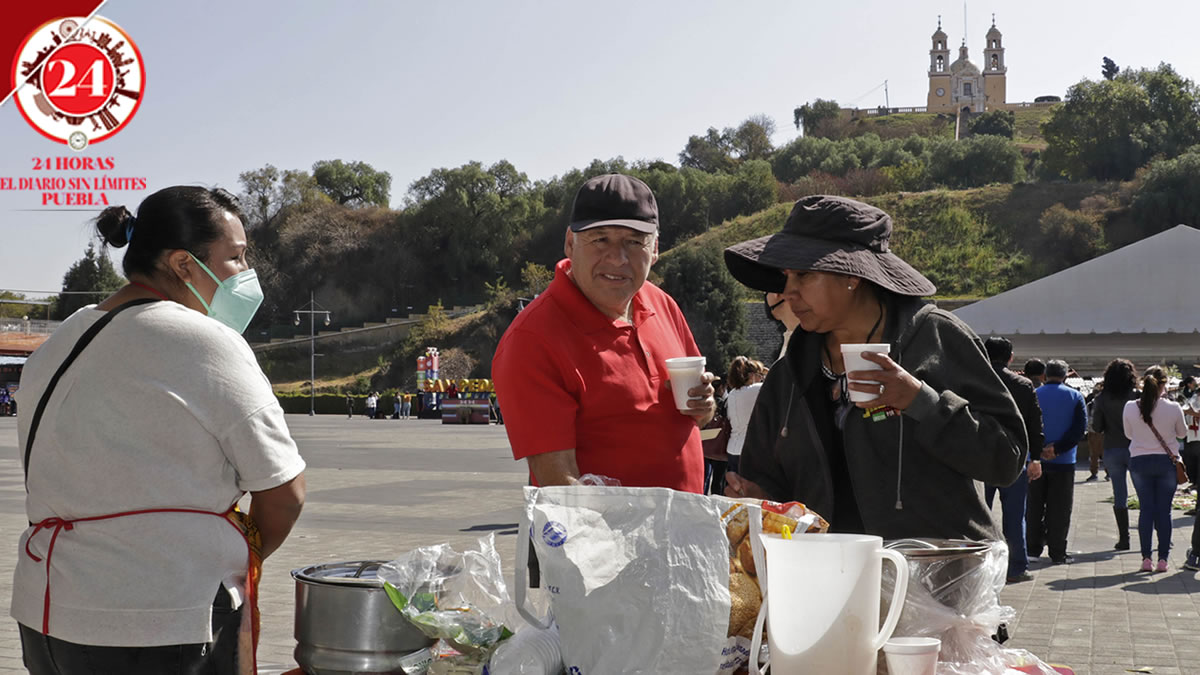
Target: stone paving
379 488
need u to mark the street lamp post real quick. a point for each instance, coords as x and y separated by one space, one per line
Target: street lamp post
311 310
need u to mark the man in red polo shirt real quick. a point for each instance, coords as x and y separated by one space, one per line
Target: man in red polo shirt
581 371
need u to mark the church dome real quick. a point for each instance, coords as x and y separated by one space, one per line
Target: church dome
940 34
964 67
994 32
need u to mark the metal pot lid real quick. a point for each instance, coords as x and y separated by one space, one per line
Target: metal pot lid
937 548
358 573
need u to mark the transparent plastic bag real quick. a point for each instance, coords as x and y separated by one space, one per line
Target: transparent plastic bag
597 479
459 599
532 651
954 595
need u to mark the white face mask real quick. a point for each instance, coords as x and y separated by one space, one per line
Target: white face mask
236 300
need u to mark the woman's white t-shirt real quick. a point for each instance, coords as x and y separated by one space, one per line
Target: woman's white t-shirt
1168 420
738 406
166 408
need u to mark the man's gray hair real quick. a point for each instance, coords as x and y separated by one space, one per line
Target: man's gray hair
1056 368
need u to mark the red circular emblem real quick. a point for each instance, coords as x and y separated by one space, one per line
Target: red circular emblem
78 83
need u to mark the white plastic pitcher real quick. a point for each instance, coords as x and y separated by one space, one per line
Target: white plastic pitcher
822 603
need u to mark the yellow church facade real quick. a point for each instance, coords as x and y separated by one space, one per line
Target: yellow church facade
962 86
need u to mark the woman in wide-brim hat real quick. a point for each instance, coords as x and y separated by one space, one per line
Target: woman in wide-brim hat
904 463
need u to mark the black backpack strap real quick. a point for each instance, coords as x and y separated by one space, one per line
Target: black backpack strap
84 340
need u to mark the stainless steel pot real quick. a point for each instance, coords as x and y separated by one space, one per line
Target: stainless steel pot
346 624
952 570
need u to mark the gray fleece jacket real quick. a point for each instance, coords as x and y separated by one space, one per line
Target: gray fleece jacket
913 474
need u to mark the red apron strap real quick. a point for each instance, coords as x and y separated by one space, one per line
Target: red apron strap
57 525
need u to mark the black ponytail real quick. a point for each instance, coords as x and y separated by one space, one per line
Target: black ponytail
113 225
181 217
1152 385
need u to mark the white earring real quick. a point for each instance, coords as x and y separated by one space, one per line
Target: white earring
849 288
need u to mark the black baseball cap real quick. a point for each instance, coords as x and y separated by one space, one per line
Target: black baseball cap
615 199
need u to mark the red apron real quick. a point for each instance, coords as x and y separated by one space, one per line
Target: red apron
249 631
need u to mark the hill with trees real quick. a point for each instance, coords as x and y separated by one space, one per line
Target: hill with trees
1025 194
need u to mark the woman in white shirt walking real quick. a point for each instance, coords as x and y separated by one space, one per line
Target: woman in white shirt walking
745 379
1149 422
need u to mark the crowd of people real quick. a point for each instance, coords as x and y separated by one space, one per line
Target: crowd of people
402 406
1127 422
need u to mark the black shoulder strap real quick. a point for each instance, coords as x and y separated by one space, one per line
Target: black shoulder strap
84 340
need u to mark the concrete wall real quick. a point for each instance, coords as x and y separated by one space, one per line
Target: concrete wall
369 336
762 332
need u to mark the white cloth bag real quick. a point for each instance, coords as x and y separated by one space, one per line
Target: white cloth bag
638 577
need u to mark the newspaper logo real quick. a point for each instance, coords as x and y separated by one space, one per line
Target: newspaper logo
82 83
554 534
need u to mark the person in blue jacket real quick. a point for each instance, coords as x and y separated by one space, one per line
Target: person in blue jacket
1051 498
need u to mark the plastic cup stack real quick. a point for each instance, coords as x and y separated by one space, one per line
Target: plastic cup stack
530 652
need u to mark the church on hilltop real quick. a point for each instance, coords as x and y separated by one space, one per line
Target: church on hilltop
961 86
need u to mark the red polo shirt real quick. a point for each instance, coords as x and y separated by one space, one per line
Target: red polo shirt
567 376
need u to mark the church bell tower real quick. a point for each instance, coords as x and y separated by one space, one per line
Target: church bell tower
939 73
994 70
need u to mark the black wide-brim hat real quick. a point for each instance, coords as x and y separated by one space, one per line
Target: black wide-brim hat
827 234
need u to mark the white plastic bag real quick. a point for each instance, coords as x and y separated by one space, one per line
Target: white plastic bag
638 577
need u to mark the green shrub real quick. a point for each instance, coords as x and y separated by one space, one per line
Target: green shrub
1170 194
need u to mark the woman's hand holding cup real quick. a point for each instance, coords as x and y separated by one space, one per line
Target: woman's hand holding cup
890 386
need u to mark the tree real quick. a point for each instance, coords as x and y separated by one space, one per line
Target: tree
710 299
752 138
1100 131
267 192
1106 130
471 224
994 123
353 183
711 153
535 278
811 116
1067 237
754 188
16 310
1169 194
1174 109
975 161
722 151
93 273
1109 69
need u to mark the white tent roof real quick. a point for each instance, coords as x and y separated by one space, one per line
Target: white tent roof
1135 289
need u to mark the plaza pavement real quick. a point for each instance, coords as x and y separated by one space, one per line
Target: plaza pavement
379 488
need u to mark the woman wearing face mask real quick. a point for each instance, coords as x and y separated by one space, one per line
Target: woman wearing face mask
150 418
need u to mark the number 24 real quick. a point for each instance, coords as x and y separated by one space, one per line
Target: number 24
66 86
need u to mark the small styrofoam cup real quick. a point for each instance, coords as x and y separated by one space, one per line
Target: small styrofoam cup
912 655
686 372
853 360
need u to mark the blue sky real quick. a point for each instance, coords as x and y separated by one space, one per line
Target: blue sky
411 86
